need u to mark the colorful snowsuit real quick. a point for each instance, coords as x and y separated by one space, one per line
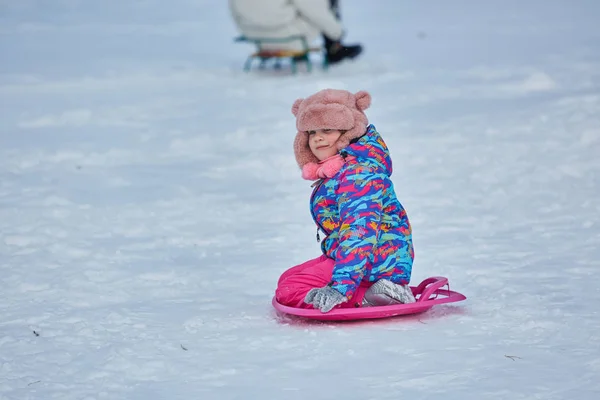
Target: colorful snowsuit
368 232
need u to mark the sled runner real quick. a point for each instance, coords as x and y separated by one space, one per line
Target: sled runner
428 293
294 56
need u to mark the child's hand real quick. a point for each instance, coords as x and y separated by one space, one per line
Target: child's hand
385 293
324 298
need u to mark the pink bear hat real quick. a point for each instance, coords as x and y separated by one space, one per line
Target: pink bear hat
329 109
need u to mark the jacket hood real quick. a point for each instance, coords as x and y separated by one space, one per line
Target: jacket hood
371 149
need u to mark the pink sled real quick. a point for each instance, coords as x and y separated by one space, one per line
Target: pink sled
428 293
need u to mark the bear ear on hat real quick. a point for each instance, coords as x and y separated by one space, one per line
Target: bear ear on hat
363 100
296 107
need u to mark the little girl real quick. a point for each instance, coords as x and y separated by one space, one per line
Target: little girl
367 252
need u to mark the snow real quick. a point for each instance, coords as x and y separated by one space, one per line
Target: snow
149 200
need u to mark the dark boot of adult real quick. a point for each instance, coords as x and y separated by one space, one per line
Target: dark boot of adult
336 50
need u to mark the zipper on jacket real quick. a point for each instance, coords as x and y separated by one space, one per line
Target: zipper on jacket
316 186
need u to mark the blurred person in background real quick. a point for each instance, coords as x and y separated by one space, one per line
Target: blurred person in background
280 19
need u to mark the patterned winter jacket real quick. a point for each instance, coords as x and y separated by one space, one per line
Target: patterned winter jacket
368 232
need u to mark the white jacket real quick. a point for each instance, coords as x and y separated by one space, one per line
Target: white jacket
276 19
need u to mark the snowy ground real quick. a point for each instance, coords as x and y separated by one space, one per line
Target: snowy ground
149 200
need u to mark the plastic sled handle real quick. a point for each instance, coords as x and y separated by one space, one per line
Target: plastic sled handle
429 286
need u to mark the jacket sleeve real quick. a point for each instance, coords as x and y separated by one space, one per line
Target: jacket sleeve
321 16
360 208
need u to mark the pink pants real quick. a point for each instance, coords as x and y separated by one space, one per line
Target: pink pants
295 283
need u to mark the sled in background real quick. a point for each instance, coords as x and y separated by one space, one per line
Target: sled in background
294 56
428 293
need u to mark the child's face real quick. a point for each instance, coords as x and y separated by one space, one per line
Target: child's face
322 142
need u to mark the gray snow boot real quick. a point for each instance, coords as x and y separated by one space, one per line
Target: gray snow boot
386 293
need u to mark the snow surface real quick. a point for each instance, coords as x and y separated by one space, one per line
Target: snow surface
149 200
